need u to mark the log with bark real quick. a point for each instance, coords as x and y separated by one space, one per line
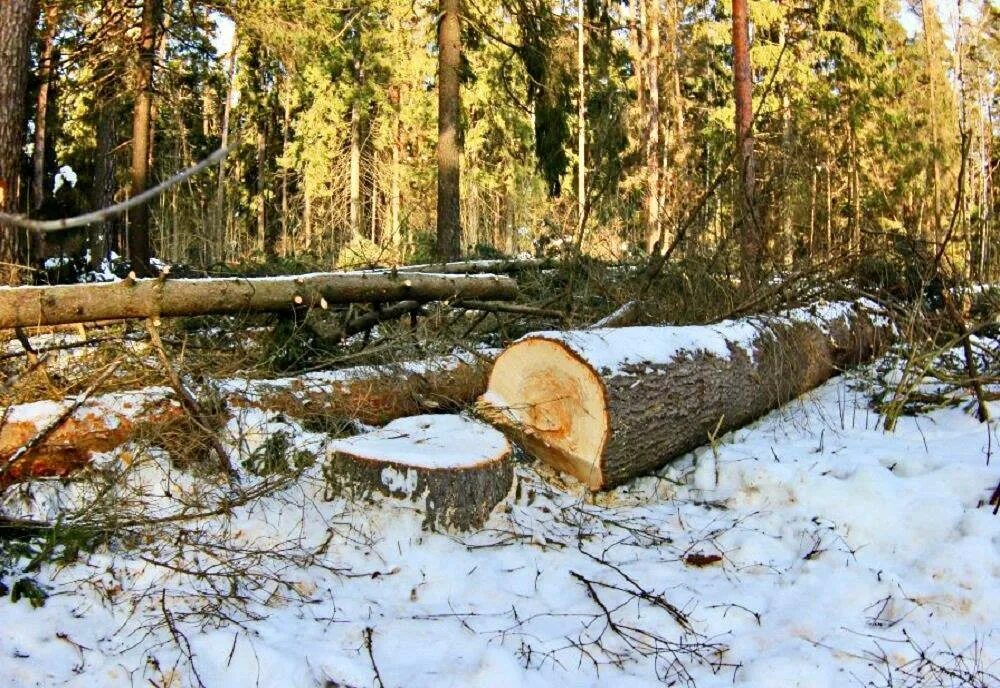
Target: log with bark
373 395
607 405
456 469
160 298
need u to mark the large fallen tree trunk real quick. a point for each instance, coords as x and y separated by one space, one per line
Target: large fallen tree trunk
608 405
62 443
160 298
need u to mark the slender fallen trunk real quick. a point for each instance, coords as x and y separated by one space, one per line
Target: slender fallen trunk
609 405
161 298
373 395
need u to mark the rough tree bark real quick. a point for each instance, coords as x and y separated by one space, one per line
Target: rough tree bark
17 19
449 146
156 298
140 251
609 405
457 469
105 236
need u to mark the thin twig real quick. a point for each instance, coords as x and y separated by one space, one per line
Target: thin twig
189 402
369 645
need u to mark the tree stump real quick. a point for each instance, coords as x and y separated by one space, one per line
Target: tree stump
607 405
458 469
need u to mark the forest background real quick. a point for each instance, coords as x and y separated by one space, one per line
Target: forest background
874 127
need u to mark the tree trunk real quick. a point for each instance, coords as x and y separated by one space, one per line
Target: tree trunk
17 19
449 146
45 69
652 71
457 469
395 224
98 425
609 405
221 219
138 237
155 298
581 126
355 219
104 236
750 240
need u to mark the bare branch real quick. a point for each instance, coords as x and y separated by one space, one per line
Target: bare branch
105 214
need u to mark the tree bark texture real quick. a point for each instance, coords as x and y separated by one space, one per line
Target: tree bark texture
449 146
609 405
17 19
140 250
156 298
404 460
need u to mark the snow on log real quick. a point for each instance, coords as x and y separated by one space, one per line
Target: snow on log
456 468
607 405
373 395
156 298
65 444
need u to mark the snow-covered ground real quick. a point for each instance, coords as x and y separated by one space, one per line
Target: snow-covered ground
810 549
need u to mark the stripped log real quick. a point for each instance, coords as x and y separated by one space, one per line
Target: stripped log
371 394
456 469
161 298
97 425
608 405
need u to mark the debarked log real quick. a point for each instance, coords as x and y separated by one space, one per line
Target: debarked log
162 298
67 443
608 405
456 469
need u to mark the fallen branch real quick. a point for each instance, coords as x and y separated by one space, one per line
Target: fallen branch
190 403
113 211
516 308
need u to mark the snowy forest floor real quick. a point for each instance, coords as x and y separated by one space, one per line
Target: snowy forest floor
809 549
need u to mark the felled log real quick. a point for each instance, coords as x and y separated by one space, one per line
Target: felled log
456 469
472 267
607 405
161 298
372 394
98 425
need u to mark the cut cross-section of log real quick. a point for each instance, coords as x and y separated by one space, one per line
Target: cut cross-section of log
607 405
458 469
